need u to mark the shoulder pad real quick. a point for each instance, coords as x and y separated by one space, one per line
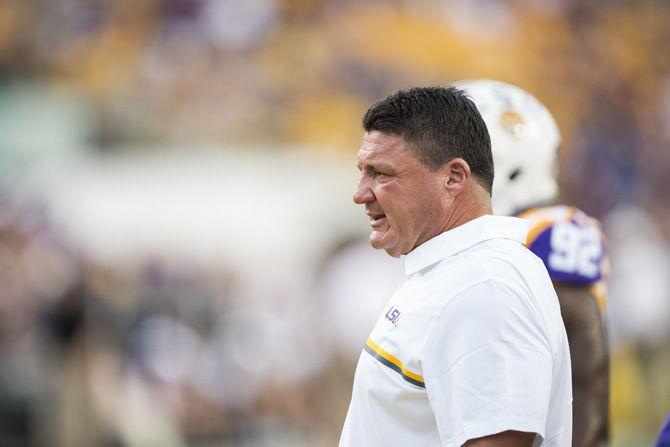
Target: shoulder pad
569 242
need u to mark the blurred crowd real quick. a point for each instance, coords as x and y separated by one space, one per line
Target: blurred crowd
166 352
159 352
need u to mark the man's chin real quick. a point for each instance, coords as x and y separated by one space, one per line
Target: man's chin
382 242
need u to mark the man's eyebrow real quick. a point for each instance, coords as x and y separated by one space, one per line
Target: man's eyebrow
382 166
374 166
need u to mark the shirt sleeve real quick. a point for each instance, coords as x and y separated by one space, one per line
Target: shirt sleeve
487 365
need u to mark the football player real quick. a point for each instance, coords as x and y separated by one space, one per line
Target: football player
664 435
525 141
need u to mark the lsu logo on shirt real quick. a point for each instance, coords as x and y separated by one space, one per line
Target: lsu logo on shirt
392 315
571 245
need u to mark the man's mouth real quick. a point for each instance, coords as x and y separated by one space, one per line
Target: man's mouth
377 220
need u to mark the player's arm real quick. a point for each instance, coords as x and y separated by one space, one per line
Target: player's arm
590 364
508 438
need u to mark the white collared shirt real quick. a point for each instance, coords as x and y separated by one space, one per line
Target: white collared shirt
471 344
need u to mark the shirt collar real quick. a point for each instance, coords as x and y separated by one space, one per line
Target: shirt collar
463 237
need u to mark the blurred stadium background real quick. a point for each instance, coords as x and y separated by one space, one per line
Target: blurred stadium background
180 260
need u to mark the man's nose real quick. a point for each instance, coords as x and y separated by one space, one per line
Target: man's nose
363 193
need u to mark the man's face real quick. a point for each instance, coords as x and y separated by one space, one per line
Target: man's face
405 201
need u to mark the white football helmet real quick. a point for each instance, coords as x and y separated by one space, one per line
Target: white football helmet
524 142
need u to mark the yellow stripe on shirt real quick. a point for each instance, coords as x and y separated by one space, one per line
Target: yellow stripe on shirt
395 361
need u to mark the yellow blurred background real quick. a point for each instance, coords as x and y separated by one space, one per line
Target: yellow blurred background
180 260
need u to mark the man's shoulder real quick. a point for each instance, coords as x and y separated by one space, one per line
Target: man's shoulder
506 254
457 271
496 260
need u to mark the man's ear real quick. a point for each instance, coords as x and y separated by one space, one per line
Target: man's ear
456 173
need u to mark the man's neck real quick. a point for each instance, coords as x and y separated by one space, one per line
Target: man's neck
468 206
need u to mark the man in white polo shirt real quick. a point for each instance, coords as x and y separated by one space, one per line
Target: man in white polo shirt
471 349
